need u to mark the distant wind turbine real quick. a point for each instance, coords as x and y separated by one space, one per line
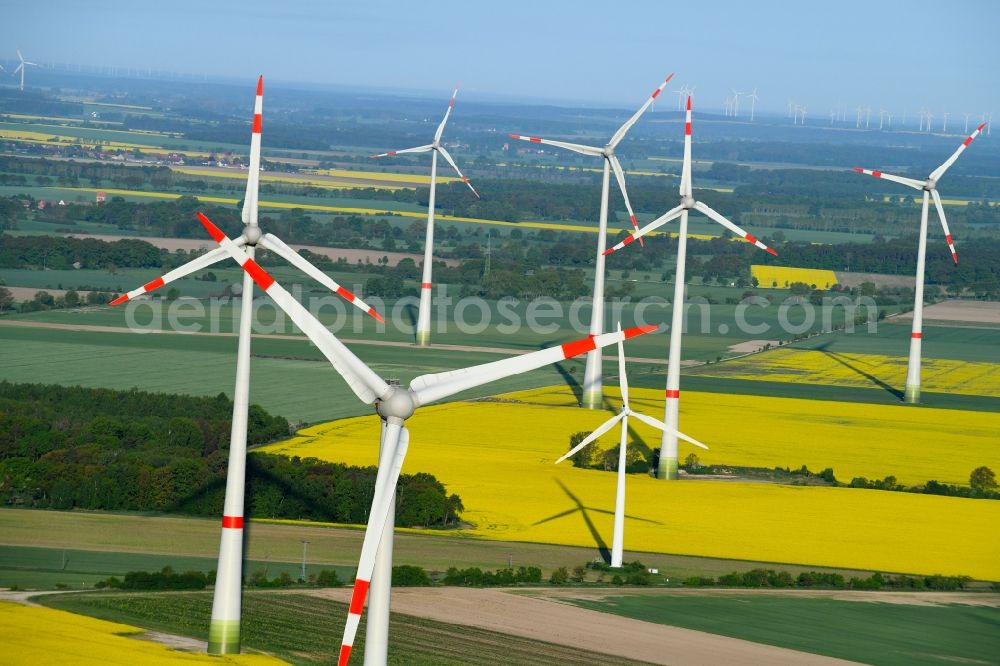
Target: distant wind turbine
21 67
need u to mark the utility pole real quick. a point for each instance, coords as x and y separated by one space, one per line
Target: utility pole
305 548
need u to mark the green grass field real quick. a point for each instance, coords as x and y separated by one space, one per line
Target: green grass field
963 343
869 632
303 629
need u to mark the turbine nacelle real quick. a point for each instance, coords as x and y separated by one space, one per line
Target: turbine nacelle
687 202
251 235
930 185
398 403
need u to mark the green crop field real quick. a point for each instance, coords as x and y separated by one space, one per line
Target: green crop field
963 343
105 543
868 632
46 568
303 629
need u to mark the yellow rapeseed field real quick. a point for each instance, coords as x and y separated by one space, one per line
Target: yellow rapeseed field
272 178
769 277
864 370
30 636
514 492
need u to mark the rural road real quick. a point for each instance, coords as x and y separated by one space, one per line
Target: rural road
554 622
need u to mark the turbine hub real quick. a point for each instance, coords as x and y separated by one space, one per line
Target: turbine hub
687 201
609 150
397 403
252 235
930 184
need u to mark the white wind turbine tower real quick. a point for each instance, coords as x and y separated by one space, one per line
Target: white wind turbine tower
593 396
753 103
967 116
626 411
930 119
21 67
868 117
929 187
668 445
224 631
680 97
426 283
394 404
944 125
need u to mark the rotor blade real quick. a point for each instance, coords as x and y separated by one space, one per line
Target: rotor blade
19 56
418 149
249 214
367 385
575 147
685 188
429 388
204 261
447 157
620 177
276 245
444 121
656 423
601 429
909 182
18 68
382 504
937 173
620 134
750 238
944 225
671 214
622 377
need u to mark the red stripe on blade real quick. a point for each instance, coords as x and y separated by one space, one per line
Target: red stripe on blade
119 300
577 347
671 393
877 174
259 275
155 284
426 285
257 121
639 330
687 129
751 238
232 522
689 103
948 239
968 141
377 316
859 169
213 230
916 335
656 92
535 139
260 85
628 239
345 294
358 596
345 655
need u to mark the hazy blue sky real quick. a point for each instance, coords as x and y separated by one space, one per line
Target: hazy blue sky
943 55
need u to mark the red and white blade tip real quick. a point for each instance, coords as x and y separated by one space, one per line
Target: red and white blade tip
260 85
689 103
121 299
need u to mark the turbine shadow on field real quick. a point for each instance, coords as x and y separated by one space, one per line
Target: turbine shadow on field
409 314
867 375
571 381
583 510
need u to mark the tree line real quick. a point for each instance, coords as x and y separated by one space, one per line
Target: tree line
72 447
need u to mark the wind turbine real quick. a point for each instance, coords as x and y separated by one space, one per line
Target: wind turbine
394 405
626 411
668 444
224 631
929 187
21 66
967 115
930 118
753 103
944 126
426 284
736 102
592 388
